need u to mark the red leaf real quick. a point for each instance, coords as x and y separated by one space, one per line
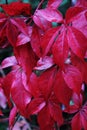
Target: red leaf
74 13
41 22
82 3
44 63
44 116
84 115
11 35
82 26
12 116
73 78
8 62
78 100
79 121
17 8
42 86
75 104
20 95
84 120
60 49
49 14
20 24
35 106
35 41
77 39
25 81
7 85
56 113
3 38
34 89
3 20
26 57
54 3
81 65
48 40
62 91
46 81
76 122
77 15
2 16
23 39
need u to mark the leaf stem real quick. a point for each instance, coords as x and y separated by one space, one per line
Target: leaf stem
39 5
4 120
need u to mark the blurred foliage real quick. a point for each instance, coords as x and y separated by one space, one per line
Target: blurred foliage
3 125
64 6
4 119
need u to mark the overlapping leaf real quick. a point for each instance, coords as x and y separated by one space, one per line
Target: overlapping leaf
19 94
48 121
23 38
49 14
79 120
48 40
73 78
81 65
77 42
26 57
62 91
60 49
36 40
12 116
54 3
44 63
